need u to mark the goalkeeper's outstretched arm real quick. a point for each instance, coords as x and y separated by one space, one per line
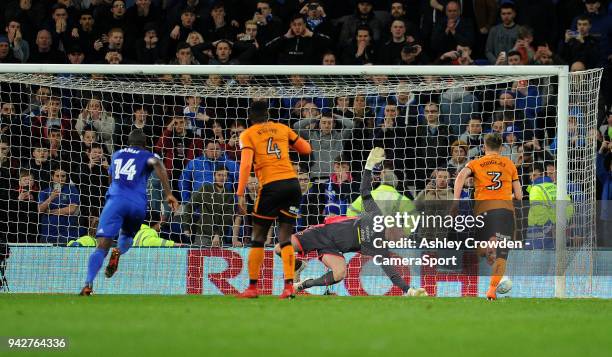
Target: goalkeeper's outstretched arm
376 156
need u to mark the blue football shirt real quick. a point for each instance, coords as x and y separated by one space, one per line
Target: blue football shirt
130 170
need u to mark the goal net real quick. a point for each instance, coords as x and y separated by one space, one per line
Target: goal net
59 130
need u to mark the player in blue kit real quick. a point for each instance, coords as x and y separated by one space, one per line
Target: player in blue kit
126 204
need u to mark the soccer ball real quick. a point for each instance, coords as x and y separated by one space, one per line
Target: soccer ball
504 286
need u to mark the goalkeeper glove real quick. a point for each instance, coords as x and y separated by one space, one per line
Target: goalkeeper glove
377 155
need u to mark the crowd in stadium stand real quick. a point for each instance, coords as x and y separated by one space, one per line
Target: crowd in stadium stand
56 144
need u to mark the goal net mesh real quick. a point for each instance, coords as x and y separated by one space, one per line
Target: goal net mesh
59 131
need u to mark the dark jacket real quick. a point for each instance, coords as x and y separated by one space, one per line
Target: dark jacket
216 210
442 42
297 50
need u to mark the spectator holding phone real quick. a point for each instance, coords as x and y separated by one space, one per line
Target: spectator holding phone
461 56
412 55
58 206
580 45
523 45
502 37
316 19
601 28
269 25
231 146
93 180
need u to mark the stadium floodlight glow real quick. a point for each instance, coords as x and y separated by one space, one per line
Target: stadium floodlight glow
564 103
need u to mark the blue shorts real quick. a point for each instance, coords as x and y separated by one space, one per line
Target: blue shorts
120 214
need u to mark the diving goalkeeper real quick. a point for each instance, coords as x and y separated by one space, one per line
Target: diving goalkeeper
339 235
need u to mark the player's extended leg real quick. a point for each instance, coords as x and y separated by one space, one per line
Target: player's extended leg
336 263
497 272
256 256
124 243
95 263
287 256
299 264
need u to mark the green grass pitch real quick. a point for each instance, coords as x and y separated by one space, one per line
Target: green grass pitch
116 326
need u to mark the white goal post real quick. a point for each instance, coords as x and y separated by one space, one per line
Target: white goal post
348 80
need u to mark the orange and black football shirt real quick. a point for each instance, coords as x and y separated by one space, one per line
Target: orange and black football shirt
493 177
270 143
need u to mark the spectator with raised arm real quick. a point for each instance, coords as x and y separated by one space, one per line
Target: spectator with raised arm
94 115
580 45
60 26
361 49
453 30
524 45
182 29
219 26
412 54
459 157
231 147
148 48
177 145
298 46
86 34
19 46
437 188
601 28
269 25
472 137
140 118
51 114
326 139
461 56
93 181
316 18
